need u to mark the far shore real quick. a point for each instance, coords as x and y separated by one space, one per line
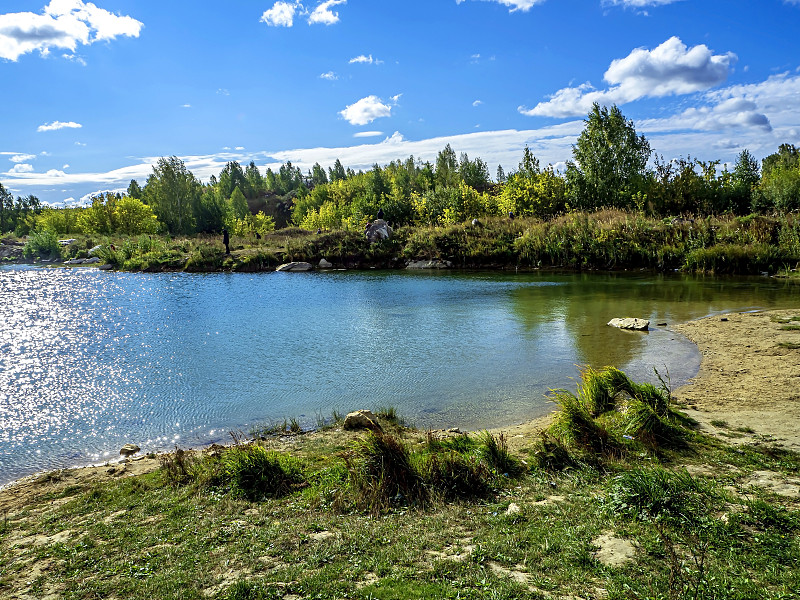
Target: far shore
747 391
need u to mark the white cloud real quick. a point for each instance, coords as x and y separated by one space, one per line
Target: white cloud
669 69
19 158
366 60
80 144
21 168
323 13
281 14
477 103
239 148
396 98
223 92
65 167
55 173
63 24
330 76
366 111
366 134
514 5
56 125
186 106
639 3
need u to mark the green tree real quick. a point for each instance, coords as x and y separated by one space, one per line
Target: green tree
239 208
744 180
337 172
6 208
475 173
786 157
172 190
210 210
318 176
446 168
134 191
134 217
610 161
254 180
231 177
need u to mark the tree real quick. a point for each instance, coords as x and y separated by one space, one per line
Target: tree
6 206
172 190
318 176
239 208
610 160
134 217
232 177
446 168
745 180
254 179
337 172
786 157
475 173
134 191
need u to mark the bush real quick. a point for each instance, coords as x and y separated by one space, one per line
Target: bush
42 244
256 473
455 476
495 452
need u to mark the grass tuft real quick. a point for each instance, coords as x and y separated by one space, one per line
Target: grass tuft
494 450
256 473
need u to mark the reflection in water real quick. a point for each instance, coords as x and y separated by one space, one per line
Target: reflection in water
90 360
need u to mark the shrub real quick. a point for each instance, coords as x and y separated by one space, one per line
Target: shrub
455 476
382 473
42 244
576 426
256 473
495 452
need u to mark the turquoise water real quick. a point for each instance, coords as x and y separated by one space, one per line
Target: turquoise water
90 360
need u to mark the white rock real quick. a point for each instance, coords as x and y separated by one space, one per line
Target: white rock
630 323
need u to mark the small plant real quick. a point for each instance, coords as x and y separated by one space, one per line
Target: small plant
461 443
552 455
495 452
645 424
720 423
389 414
574 425
257 473
455 476
789 345
177 466
294 426
382 473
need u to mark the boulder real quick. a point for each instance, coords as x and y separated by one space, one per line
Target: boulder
630 323
429 264
324 264
94 250
295 267
378 231
128 450
362 419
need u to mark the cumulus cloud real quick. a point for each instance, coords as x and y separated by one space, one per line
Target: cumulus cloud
20 158
56 125
282 13
330 76
669 69
323 13
63 24
366 60
513 5
21 168
477 103
366 111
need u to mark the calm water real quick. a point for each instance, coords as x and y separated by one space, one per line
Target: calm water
90 360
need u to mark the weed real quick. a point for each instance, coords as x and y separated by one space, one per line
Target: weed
720 423
789 345
646 425
552 455
495 452
382 473
576 426
389 414
458 443
256 473
455 476
790 328
294 426
177 466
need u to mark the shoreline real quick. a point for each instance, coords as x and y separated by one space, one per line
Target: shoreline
730 397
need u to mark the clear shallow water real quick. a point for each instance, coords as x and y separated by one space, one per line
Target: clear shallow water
90 360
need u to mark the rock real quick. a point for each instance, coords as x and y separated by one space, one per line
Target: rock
513 509
661 324
630 323
362 419
378 231
324 264
91 261
94 250
74 261
613 551
67 242
105 267
295 267
129 449
429 264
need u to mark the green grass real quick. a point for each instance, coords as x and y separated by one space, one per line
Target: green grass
410 514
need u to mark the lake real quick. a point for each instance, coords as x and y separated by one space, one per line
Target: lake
91 360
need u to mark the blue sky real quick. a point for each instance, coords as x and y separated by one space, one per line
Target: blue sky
94 93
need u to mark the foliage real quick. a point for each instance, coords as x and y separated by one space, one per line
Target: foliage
42 244
256 473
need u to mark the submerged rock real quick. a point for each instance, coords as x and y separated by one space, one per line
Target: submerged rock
630 323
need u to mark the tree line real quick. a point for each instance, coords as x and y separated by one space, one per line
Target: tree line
612 167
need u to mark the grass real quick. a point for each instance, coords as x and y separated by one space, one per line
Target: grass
411 514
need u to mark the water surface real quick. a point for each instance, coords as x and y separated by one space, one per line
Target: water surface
90 360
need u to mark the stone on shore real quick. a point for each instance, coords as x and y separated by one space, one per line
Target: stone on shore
630 323
295 267
378 230
429 264
324 264
128 450
362 419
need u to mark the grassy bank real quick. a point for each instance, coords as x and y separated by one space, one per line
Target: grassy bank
608 240
619 498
